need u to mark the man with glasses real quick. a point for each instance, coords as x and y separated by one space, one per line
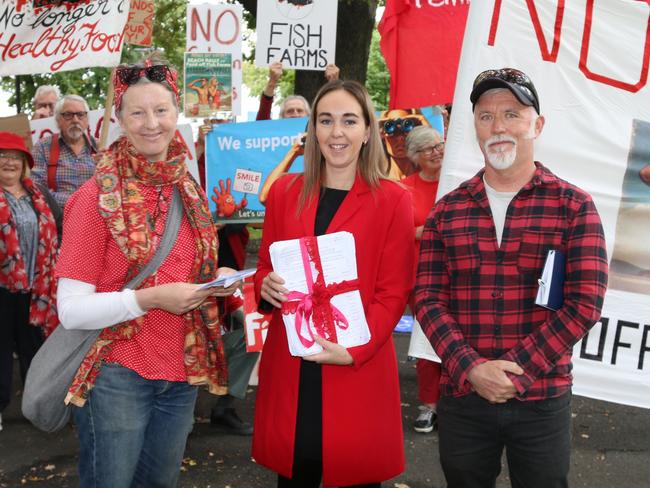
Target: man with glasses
45 98
506 378
63 162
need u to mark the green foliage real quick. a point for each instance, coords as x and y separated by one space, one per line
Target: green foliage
378 80
255 79
169 38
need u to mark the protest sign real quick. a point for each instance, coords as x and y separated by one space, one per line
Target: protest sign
596 104
300 34
242 160
18 124
421 41
139 26
70 36
217 29
208 82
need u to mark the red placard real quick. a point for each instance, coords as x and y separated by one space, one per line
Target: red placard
257 324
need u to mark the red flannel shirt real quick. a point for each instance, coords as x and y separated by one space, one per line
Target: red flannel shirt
476 301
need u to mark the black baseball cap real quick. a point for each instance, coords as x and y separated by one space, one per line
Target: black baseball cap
514 80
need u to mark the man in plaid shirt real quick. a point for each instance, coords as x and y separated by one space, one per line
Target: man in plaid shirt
63 162
506 379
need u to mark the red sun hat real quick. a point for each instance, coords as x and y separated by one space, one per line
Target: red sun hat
10 140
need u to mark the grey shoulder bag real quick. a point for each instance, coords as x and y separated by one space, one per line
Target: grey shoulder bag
56 363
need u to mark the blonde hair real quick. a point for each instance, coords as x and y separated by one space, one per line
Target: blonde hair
372 160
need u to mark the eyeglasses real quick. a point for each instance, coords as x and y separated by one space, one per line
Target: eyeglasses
130 76
72 115
428 151
5 157
38 105
395 126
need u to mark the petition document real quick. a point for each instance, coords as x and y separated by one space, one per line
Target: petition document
338 259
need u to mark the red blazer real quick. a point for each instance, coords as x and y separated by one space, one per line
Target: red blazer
362 422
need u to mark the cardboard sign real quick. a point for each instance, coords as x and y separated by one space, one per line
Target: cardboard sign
217 29
139 27
18 124
70 36
301 34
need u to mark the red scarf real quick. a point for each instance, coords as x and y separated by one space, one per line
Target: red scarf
13 275
120 203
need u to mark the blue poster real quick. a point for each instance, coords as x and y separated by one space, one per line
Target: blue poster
242 162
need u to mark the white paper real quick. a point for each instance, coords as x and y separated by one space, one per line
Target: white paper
228 280
338 259
544 282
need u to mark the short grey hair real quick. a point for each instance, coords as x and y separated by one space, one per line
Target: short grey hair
69 98
421 136
295 97
45 89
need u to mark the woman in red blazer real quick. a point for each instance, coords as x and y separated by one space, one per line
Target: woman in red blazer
336 415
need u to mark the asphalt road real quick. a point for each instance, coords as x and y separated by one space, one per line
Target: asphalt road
611 448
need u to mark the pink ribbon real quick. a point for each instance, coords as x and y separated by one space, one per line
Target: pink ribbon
315 303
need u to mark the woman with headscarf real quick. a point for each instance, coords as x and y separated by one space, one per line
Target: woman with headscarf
135 391
28 247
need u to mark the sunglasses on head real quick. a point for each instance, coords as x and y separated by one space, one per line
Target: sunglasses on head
130 76
509 75
395 126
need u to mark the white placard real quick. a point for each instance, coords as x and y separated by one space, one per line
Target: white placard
589 63
54 39
300 36
216 28
247 181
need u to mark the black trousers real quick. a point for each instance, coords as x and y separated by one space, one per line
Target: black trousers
15 334
308 454
535 434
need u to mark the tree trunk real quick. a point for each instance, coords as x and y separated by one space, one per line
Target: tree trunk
354 26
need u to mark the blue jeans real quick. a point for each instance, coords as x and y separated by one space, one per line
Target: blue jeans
132 431
536 436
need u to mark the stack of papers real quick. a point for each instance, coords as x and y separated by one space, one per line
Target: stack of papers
339 262
228 280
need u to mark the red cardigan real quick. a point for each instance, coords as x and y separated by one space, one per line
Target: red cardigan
362 422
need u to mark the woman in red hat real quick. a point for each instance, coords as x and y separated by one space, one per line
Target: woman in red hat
28 247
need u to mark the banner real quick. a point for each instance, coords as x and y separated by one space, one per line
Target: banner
217 29
421 41
242 162
45 127
71 36
207 84
597 108
301 34
139 26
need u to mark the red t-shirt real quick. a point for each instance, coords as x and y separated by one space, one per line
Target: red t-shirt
89 254
424 196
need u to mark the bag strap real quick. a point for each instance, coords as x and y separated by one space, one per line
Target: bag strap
167 241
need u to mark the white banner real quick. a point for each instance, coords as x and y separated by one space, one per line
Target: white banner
217 29
301 35
53 39
589 62
44 127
